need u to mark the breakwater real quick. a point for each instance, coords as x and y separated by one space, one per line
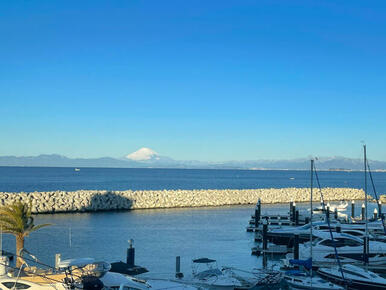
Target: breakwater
96 200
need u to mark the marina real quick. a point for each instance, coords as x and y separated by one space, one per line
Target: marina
245 256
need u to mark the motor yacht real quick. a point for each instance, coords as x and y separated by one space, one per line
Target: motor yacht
350 250
353 277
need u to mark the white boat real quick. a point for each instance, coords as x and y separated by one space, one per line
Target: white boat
285 236
300 280
354 277
206 274
114 281
350 250
30 278
341 207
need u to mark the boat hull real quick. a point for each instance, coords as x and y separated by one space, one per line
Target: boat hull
352 284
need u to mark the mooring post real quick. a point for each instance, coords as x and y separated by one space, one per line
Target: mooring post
338 227
296 218
290 211
265 242
363 212
352 209
294 211
179 274
57 260
375 214
296 247
336 214
257 213
306 220
130 258
328 211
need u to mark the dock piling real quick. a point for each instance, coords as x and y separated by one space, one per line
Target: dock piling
130 257
352 209
179 274
363 212
296 247
375 214
338 227
257 213
293 212
265 243
57 260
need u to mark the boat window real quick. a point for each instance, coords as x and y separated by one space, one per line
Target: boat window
315 241
349 242
329 243
11 285
354 233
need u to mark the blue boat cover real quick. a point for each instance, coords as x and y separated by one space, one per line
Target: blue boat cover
305 263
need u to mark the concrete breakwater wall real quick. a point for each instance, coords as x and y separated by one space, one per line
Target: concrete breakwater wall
96 200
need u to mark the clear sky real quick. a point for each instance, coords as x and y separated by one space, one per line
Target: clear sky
204 80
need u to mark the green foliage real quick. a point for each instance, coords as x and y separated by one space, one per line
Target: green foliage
17 219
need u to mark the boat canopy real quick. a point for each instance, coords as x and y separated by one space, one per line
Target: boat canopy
305 263
203 261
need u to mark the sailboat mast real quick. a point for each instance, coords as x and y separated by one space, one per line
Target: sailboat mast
366 222
312 179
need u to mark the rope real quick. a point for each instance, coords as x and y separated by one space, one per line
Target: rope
377 199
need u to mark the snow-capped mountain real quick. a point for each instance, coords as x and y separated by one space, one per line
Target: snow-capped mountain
143 154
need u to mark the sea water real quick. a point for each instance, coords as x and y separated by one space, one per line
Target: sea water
28 179
162 234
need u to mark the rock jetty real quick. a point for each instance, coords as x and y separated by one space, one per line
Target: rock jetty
97 200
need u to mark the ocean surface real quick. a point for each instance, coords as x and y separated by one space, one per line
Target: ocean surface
160 234
28 179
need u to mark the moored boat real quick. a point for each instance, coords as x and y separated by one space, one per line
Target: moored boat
354 277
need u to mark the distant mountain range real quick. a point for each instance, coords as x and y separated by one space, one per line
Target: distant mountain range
147 158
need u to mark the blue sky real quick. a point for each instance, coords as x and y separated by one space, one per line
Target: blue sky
204 80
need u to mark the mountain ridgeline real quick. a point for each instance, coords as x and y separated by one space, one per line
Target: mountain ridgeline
147 158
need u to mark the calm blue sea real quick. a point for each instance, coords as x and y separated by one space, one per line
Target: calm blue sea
28 179
159 235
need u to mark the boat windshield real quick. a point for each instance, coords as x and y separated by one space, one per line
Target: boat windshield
208 273
315 241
